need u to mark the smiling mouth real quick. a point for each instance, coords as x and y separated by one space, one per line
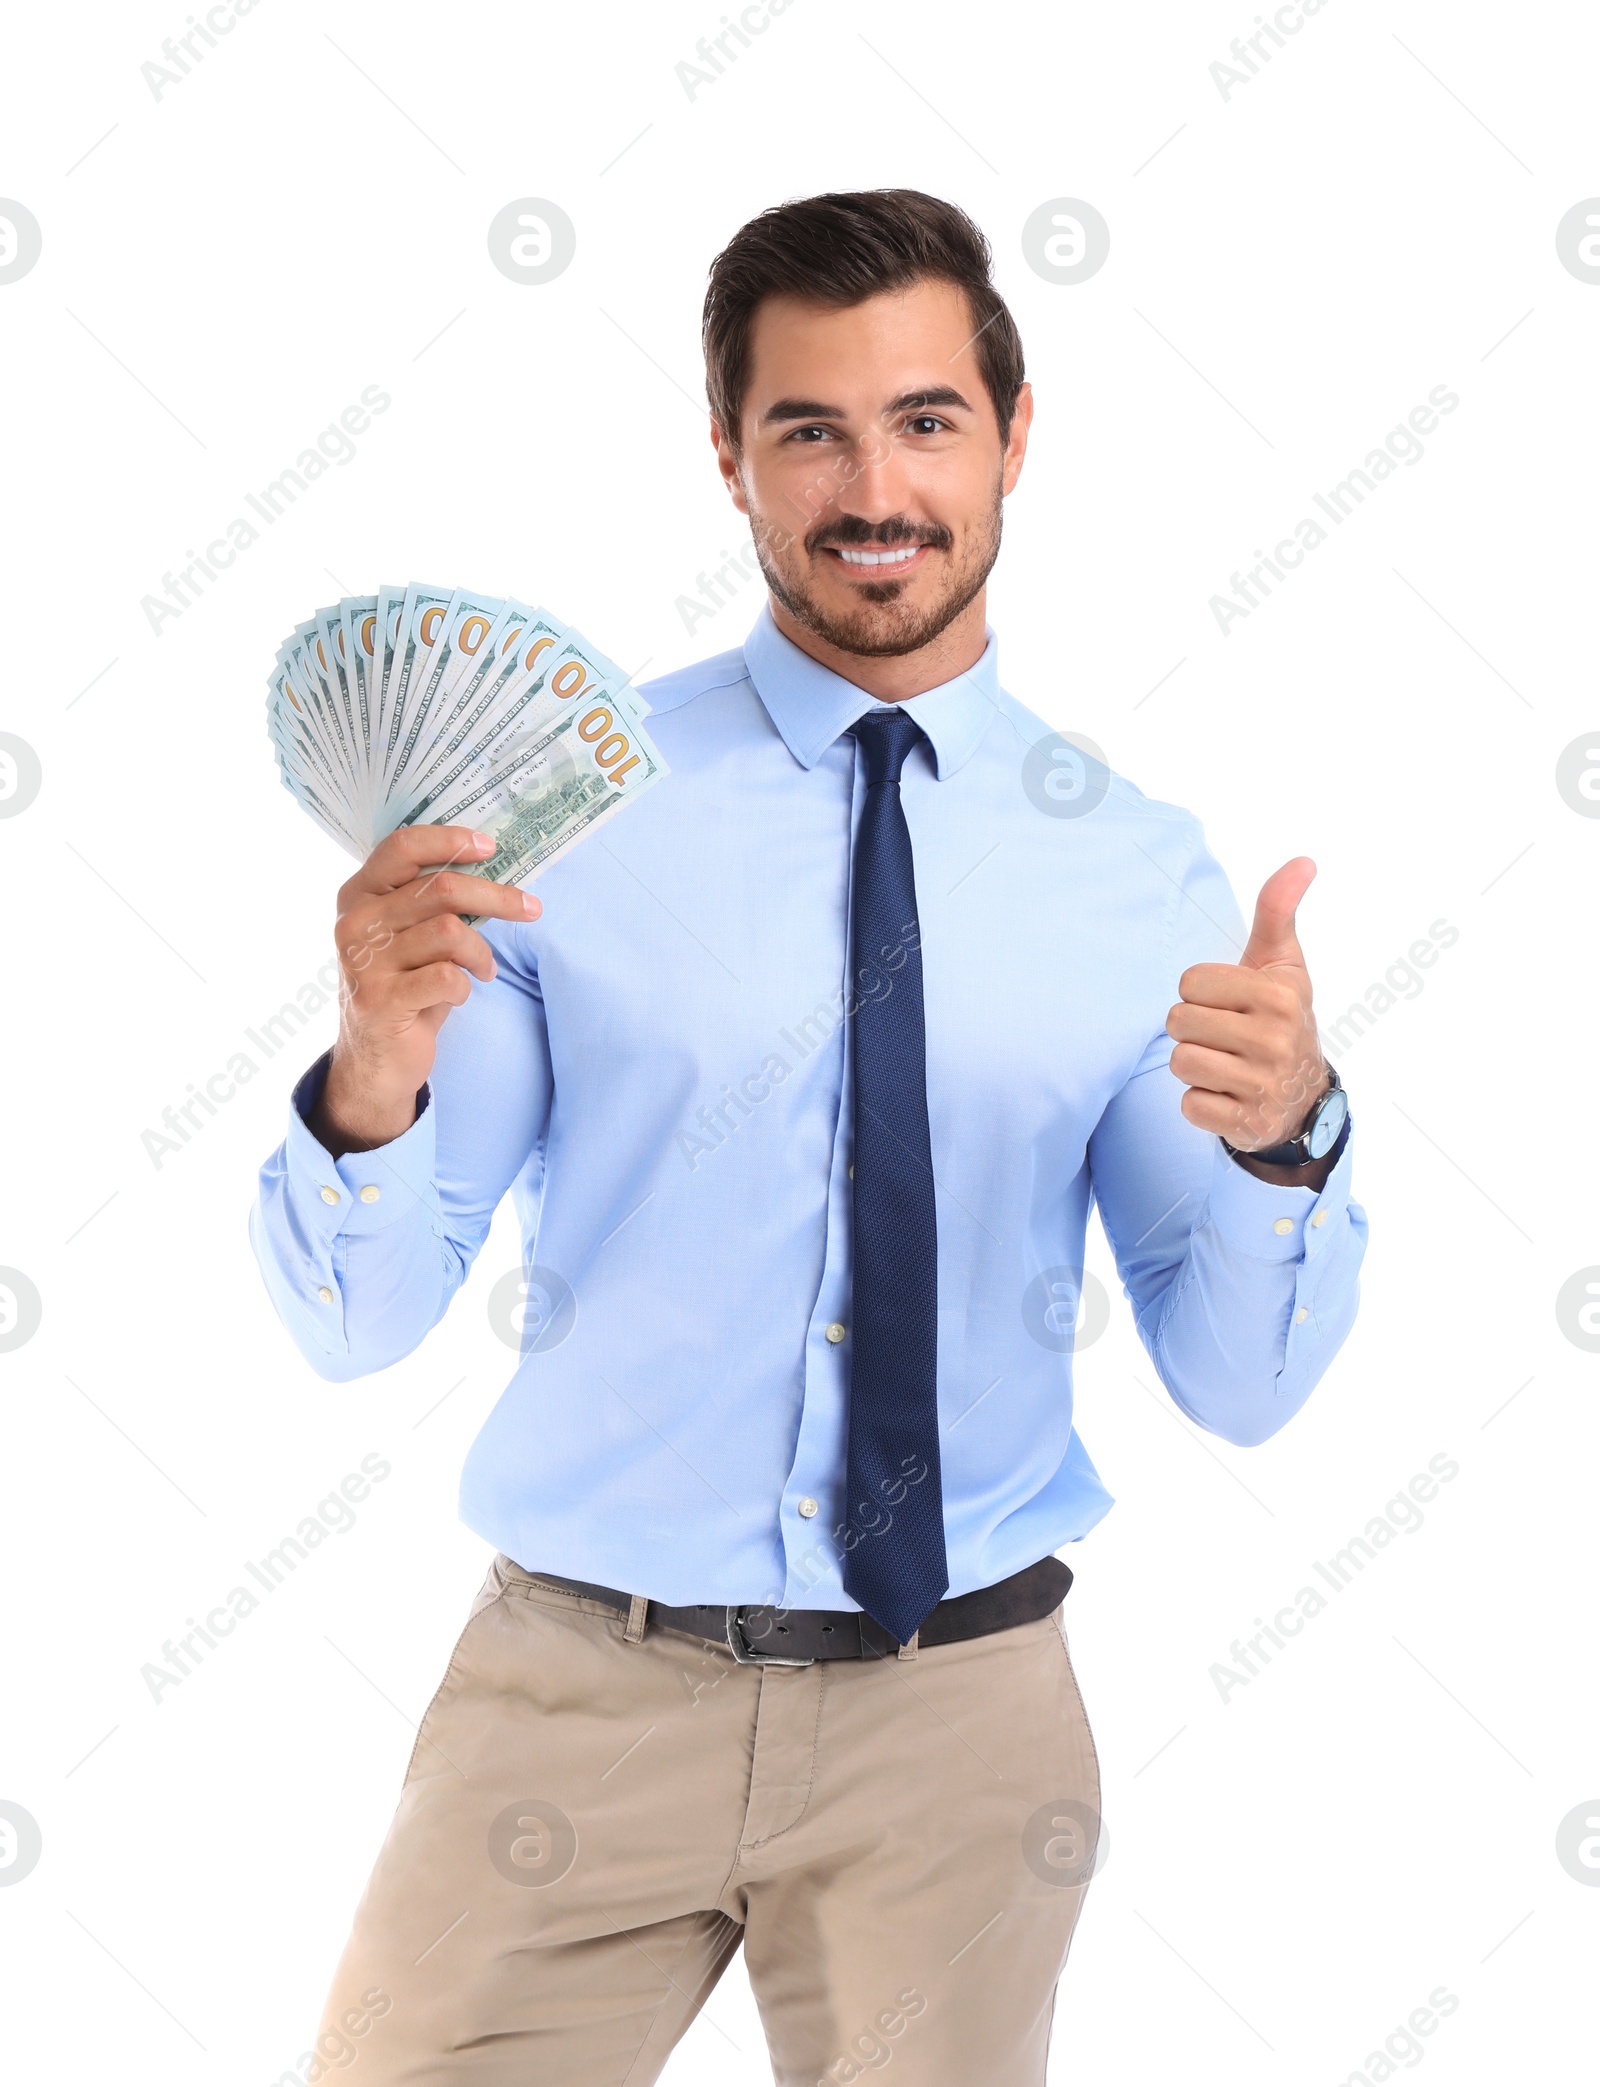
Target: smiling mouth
891 559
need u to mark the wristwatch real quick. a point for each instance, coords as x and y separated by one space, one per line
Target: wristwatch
1323 1130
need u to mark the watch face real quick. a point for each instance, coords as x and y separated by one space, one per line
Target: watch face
1324 1133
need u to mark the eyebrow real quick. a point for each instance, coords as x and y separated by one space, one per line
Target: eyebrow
908 401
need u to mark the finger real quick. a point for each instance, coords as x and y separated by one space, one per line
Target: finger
446 938
465 893
1218 1028
1232 986
374 916
399 855
1216 1072
459 892
1272 936
1218 1113
435 985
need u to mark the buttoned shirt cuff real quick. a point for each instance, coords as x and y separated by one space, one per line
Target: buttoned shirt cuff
1277 1224
364 1191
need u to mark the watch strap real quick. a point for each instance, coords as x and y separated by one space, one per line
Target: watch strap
1292 1152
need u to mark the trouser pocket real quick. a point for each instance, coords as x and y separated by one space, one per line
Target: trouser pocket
495 1583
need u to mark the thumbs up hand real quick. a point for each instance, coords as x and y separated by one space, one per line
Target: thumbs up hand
1245 1039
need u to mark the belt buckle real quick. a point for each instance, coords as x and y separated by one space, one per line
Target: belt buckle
745 1653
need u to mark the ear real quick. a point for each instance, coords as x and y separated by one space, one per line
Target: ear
1017 439
728 465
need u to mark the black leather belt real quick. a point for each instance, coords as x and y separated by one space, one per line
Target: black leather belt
760 1634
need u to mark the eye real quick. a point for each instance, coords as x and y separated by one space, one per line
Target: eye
809 435
926 424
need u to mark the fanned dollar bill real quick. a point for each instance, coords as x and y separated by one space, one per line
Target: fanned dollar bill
443 706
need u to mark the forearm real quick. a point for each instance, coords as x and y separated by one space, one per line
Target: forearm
388 1228
1252 1316
1243 1288
352 1305
1313 1176
354 1112
351 1245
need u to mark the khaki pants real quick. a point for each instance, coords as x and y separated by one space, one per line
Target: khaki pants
590 1825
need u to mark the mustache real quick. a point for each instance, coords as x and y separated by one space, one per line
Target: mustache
851 533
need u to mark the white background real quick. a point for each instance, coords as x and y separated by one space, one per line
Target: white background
1292 269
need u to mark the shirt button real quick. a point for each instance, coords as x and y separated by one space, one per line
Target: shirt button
808 1507
836 1333
1283 1226
1301 1316
330 1195
325 1294
369 1194
852 1173
1321 1218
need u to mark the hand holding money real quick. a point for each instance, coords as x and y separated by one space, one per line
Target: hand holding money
456 745
439 706
406 957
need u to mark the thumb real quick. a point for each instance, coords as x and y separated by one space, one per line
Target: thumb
1272 937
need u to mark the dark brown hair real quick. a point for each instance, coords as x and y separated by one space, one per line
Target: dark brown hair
840 250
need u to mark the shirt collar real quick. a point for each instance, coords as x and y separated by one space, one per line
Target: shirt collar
811 705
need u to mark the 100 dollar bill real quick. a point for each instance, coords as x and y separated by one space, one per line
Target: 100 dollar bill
556 787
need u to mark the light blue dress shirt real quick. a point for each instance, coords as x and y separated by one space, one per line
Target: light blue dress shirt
660 1075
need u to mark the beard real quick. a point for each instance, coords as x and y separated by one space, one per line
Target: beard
881 624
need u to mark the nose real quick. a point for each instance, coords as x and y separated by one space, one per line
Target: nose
878 486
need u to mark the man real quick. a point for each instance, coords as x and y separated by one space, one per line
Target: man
804 1078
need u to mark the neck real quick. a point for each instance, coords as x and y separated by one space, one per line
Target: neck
896 678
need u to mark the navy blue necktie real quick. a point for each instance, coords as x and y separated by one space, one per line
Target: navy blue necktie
894 1557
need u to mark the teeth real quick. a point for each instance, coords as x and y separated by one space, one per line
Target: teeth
880 557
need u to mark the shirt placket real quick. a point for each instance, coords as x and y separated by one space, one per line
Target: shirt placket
813 1506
